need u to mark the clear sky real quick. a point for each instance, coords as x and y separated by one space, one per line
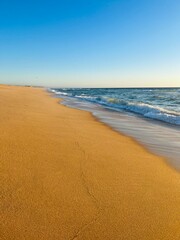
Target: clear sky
90 43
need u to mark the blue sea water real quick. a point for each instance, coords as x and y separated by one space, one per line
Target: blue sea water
159 103
151 115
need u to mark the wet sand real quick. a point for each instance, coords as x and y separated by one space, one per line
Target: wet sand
64 175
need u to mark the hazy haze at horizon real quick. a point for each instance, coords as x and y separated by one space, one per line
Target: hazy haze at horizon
117 43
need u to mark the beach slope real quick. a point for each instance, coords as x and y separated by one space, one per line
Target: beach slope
66 176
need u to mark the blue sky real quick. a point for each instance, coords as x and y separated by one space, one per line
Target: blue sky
83 43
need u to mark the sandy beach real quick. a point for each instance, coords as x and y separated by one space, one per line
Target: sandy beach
66 176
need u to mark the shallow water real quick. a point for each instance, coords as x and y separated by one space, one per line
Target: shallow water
158 136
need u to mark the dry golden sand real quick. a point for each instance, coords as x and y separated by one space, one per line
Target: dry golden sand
64 175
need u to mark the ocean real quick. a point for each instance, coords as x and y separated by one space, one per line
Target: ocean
150 115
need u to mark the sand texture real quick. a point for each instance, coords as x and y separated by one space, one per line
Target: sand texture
66 176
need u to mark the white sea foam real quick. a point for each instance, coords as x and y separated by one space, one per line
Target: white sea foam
155 112
59 93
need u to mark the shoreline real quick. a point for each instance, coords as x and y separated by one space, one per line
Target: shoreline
159 149
164 159
66 175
